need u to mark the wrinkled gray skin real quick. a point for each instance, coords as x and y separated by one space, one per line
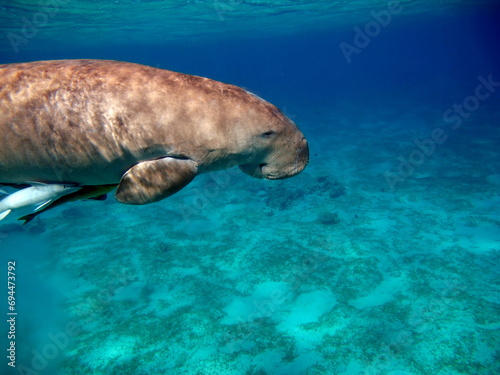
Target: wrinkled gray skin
97 122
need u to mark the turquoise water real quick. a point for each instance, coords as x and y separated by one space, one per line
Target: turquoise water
381 258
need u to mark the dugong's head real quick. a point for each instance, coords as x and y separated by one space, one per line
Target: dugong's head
278 149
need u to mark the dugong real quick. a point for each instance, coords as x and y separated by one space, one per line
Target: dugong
149 131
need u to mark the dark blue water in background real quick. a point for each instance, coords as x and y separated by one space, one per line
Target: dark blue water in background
423 57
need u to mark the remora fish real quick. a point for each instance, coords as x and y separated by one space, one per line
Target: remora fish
86 192
39 194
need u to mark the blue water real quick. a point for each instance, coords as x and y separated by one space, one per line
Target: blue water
381 257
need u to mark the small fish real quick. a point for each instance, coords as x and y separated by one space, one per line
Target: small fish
39 194
86 192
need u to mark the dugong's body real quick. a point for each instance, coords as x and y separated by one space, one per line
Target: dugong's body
151 131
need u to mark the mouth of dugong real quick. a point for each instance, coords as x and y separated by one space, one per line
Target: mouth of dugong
282 166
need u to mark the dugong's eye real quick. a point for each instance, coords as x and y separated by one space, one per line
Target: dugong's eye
268 134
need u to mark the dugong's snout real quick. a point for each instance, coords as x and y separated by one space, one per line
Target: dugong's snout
282 163
285 166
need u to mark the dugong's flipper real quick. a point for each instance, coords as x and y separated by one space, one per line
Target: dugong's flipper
154 180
